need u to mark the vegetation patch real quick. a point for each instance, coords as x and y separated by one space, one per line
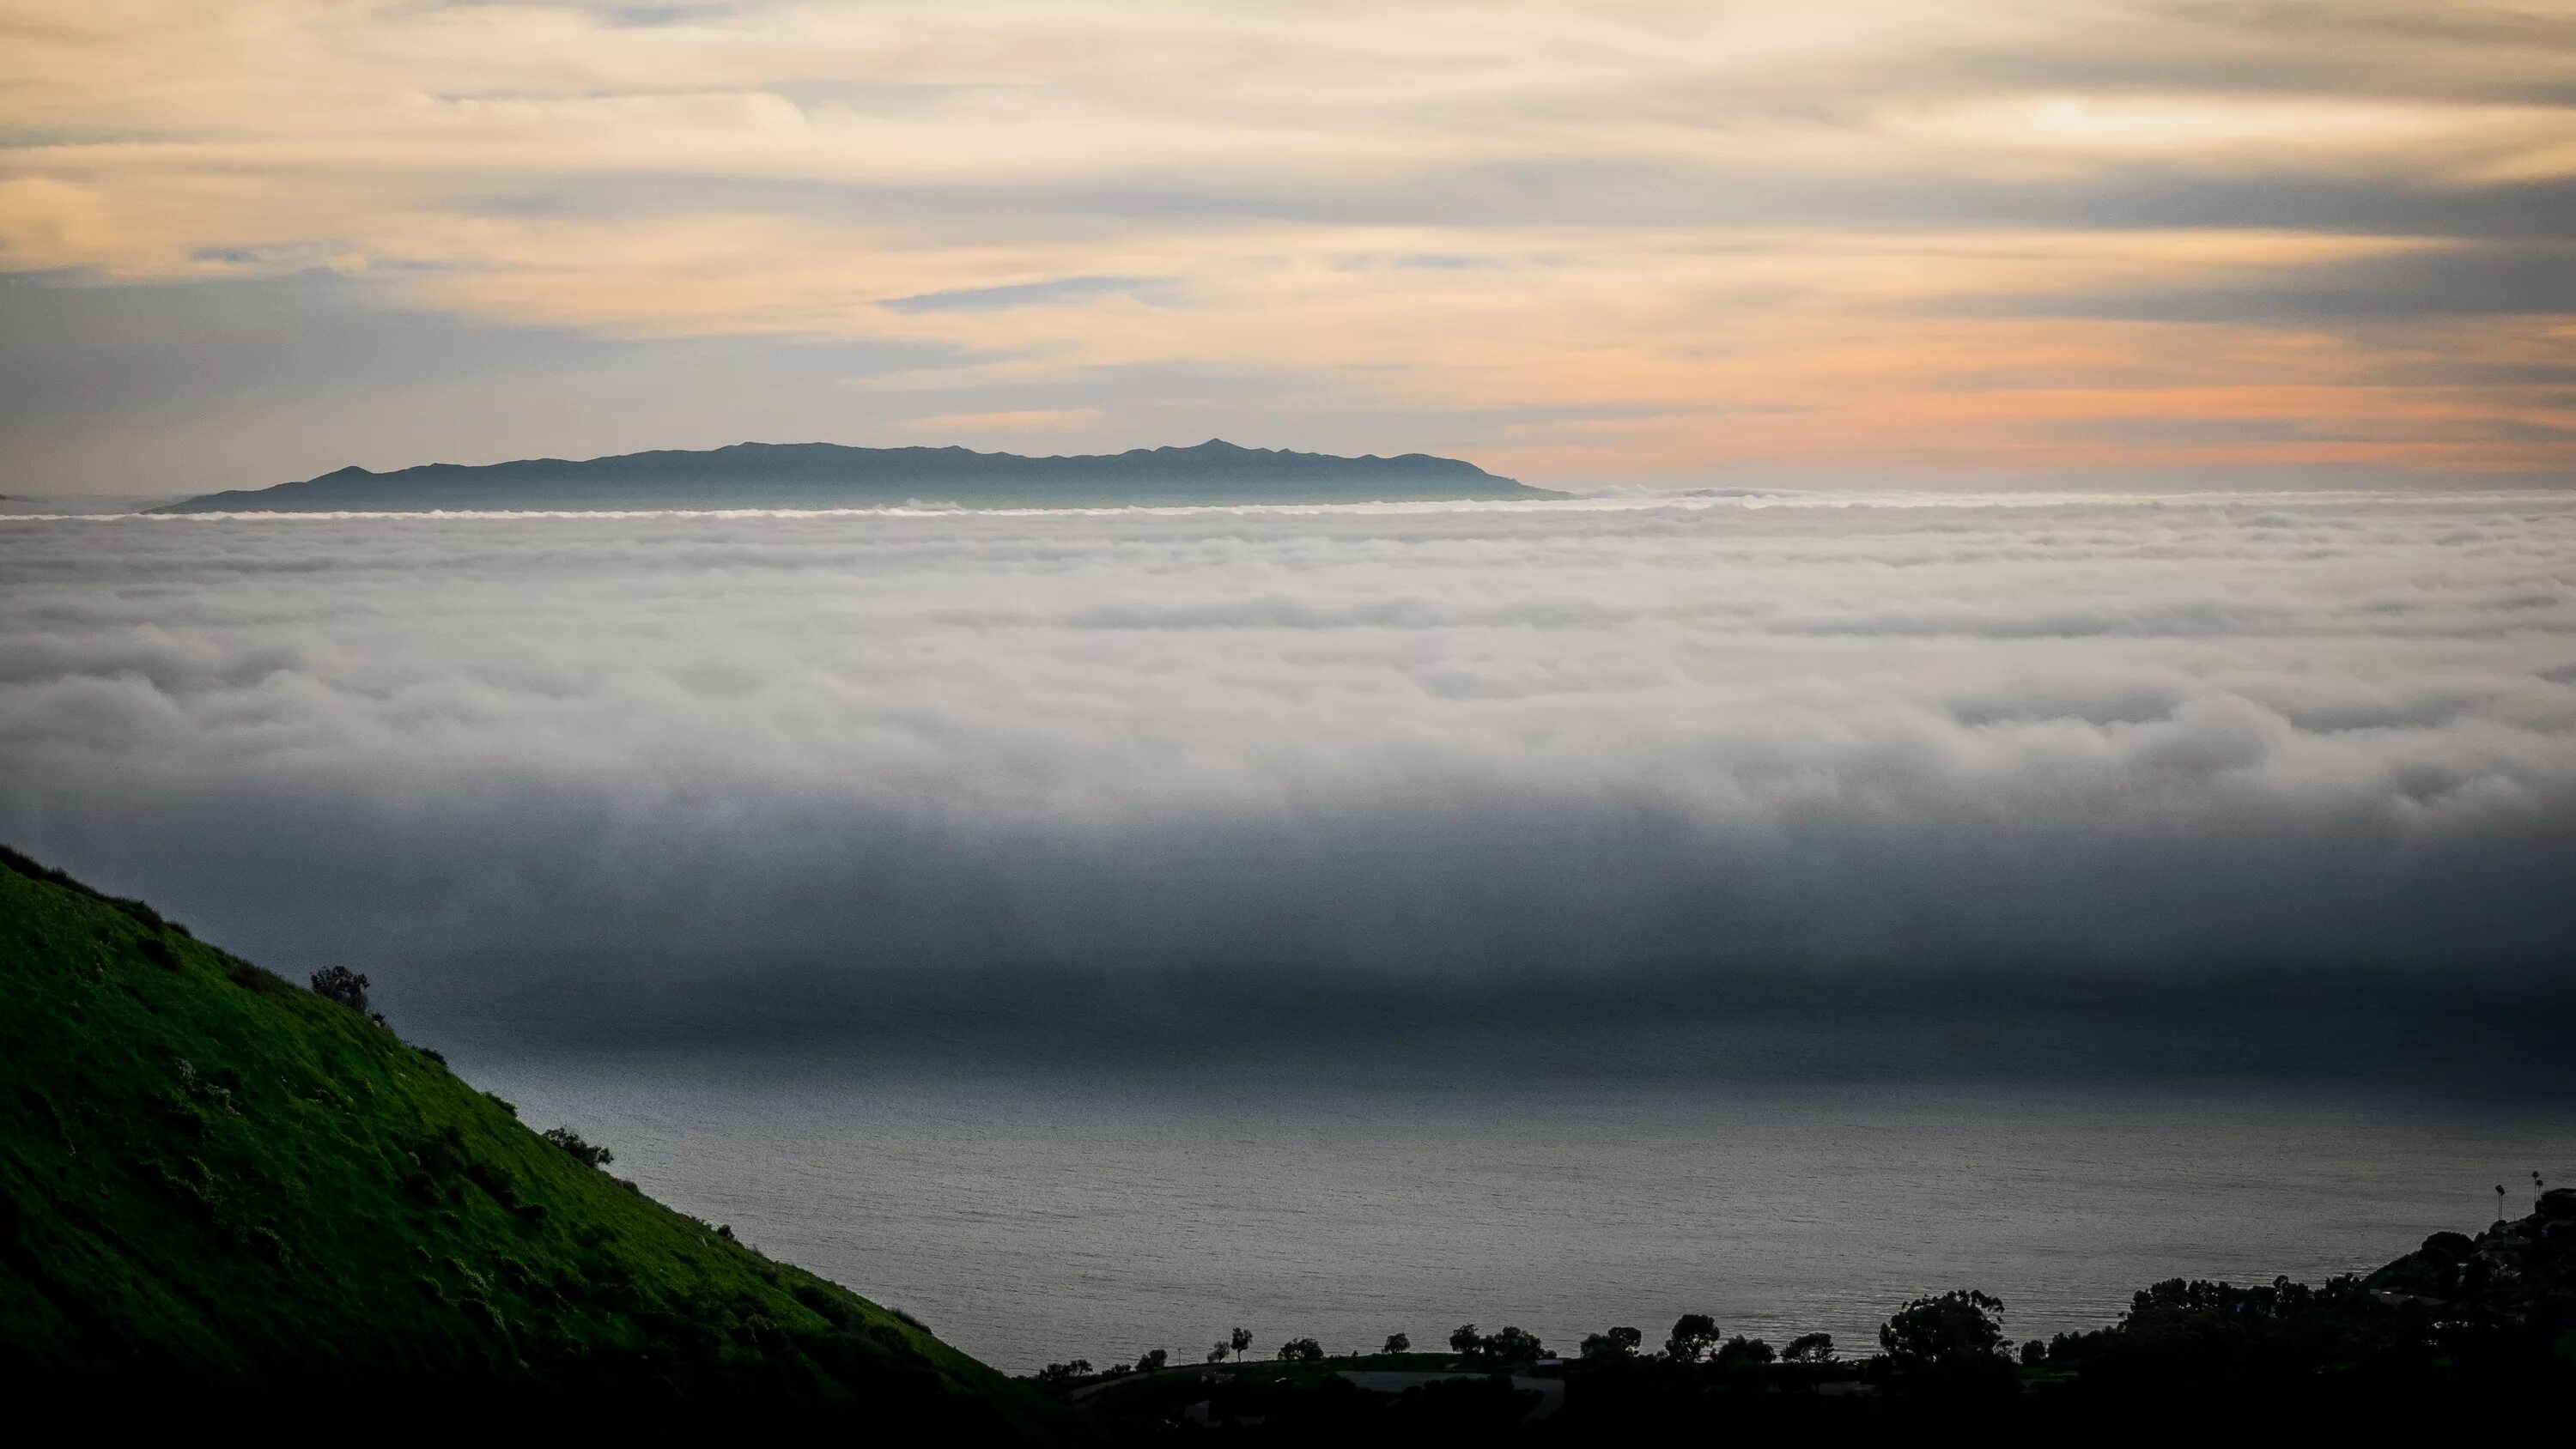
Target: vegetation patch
193 1144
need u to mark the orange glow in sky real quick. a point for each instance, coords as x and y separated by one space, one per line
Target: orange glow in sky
1580 244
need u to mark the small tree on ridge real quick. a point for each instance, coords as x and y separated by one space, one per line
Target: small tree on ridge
340 984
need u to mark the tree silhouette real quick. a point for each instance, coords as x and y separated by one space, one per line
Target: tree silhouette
1218 1353
1464 1340
1617 1343
1692 1335
1810 1348
1743 1352
1239 1340
1958 1335
1515 1345
1059 1373
1398 1343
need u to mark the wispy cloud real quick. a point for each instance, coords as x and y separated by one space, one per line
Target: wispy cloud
1055 292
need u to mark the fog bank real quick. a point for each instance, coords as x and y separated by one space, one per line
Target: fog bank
1629 748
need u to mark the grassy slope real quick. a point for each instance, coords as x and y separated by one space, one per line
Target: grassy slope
222 1179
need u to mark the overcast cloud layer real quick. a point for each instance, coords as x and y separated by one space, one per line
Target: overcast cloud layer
1677 744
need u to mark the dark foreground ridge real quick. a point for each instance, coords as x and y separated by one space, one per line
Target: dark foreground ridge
827 475
217 1187
2465 1333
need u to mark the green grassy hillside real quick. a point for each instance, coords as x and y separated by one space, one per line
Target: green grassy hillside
213 1179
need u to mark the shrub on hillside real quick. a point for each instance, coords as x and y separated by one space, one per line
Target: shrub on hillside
442 1154
254 978
340 984
572 1143
830 1309
495 1181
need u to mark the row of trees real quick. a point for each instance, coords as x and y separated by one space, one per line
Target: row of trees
1695 1339
1948 1333
1510 1345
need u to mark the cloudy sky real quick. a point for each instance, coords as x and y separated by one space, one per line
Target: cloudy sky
1811 241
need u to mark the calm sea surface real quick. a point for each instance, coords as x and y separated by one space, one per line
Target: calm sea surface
1038 1214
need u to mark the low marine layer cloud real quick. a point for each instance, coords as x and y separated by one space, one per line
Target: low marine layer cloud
1443 753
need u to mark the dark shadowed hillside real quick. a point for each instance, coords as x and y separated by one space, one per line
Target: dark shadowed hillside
216 1183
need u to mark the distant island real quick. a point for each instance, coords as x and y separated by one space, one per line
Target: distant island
828 475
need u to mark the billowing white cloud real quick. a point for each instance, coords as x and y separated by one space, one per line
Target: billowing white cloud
1681 742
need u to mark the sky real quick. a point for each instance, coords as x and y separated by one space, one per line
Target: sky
1402 763
1782 242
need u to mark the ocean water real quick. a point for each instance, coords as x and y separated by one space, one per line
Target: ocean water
1032 1215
